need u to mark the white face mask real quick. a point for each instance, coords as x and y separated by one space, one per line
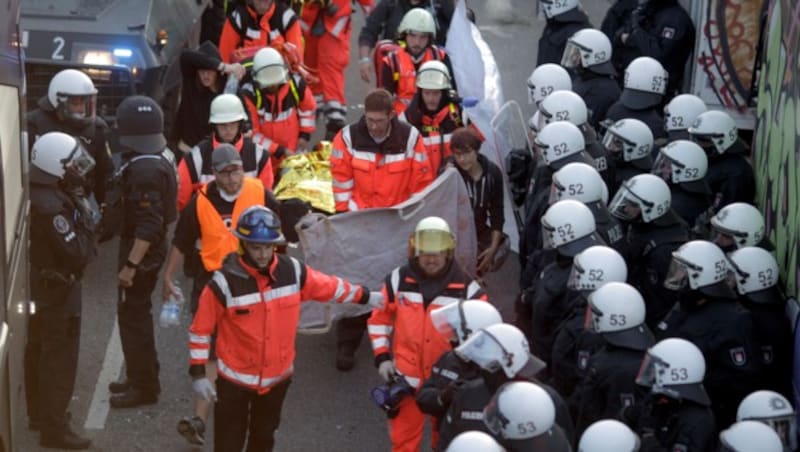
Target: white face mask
228 196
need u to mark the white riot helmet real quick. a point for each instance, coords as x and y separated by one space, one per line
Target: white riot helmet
617 310
757 274
546 79
699 265
645 84
750 436
569 227
596 266
680 162
775 411
714 130
269 68
742 221
588 48
577 181
564 105
631 139
553 8
433 75
644 194
676 368
474 441
226 108
501 348
606 435
457 321
418 20
558 142
519 410
681 112
55 154
73 84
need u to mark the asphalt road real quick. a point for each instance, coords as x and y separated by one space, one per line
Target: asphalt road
325 410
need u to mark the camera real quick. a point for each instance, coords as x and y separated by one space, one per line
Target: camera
388 396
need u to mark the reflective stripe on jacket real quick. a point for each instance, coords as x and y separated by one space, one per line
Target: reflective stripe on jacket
216 238
243 29
436 129
404 74
255 317
403 325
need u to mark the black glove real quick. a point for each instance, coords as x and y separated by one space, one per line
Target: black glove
446 394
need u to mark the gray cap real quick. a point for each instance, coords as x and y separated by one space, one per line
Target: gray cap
224 156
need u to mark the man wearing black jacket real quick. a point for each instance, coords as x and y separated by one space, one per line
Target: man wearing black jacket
564 19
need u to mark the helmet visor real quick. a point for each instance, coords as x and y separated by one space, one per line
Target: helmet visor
448 320
677 276
580 279
662 167
430 241
78 106
785 427
548 236
79 161
433 79
264 228
482 349
494 420
649 369
271 75
614 143
571 58
556 189
626 205
591 319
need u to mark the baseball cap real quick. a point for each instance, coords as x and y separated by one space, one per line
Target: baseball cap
224 156
140 125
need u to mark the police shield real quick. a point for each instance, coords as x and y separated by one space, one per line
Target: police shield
513 145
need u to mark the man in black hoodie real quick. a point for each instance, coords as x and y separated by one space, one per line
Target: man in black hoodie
564 18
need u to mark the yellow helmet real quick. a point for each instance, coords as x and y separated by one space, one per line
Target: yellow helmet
432 235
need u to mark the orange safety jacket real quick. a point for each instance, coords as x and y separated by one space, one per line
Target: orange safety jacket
216 238
369 174
403 68
337 24
255 317
243 29
402 328
436 129
280 118
195 170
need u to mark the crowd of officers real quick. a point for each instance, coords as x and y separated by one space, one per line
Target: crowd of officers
649 314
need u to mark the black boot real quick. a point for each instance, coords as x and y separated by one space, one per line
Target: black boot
133 397
118 387
345 357
332 127
65 439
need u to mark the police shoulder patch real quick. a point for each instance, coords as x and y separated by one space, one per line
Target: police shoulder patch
668 32
61 224
738 356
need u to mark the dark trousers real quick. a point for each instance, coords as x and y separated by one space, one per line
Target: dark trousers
134 313
350 330
241 414
51 359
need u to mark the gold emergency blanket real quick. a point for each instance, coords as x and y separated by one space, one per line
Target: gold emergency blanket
308 177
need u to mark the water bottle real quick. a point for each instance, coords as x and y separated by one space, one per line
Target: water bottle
171 310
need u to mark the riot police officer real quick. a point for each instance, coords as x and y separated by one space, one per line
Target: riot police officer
629 143
574 344
458 321
708 315
675 415
683 165
757 275
148 198
546 79
680 113
588 54
616 311
61 245
774 410
608 434
643 91
70 107
738 225
564 18
730 175
745 436
655 231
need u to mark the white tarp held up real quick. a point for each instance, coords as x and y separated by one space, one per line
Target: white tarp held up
364 246
465 46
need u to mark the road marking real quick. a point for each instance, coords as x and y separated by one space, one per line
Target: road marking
112 365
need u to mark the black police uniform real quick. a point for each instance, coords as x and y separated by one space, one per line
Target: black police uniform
660 29
466 410
61 245
665 424
558 30
599 91
448 374
149 195
731 177
625 170
649 254
618 17
652 117
608 226
609 384
93 136
549 307
599 153
724 331
691 200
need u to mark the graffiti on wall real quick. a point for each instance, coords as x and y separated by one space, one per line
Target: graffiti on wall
777 139
729 49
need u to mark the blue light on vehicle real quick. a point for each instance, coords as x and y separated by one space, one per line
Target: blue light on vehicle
123 53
